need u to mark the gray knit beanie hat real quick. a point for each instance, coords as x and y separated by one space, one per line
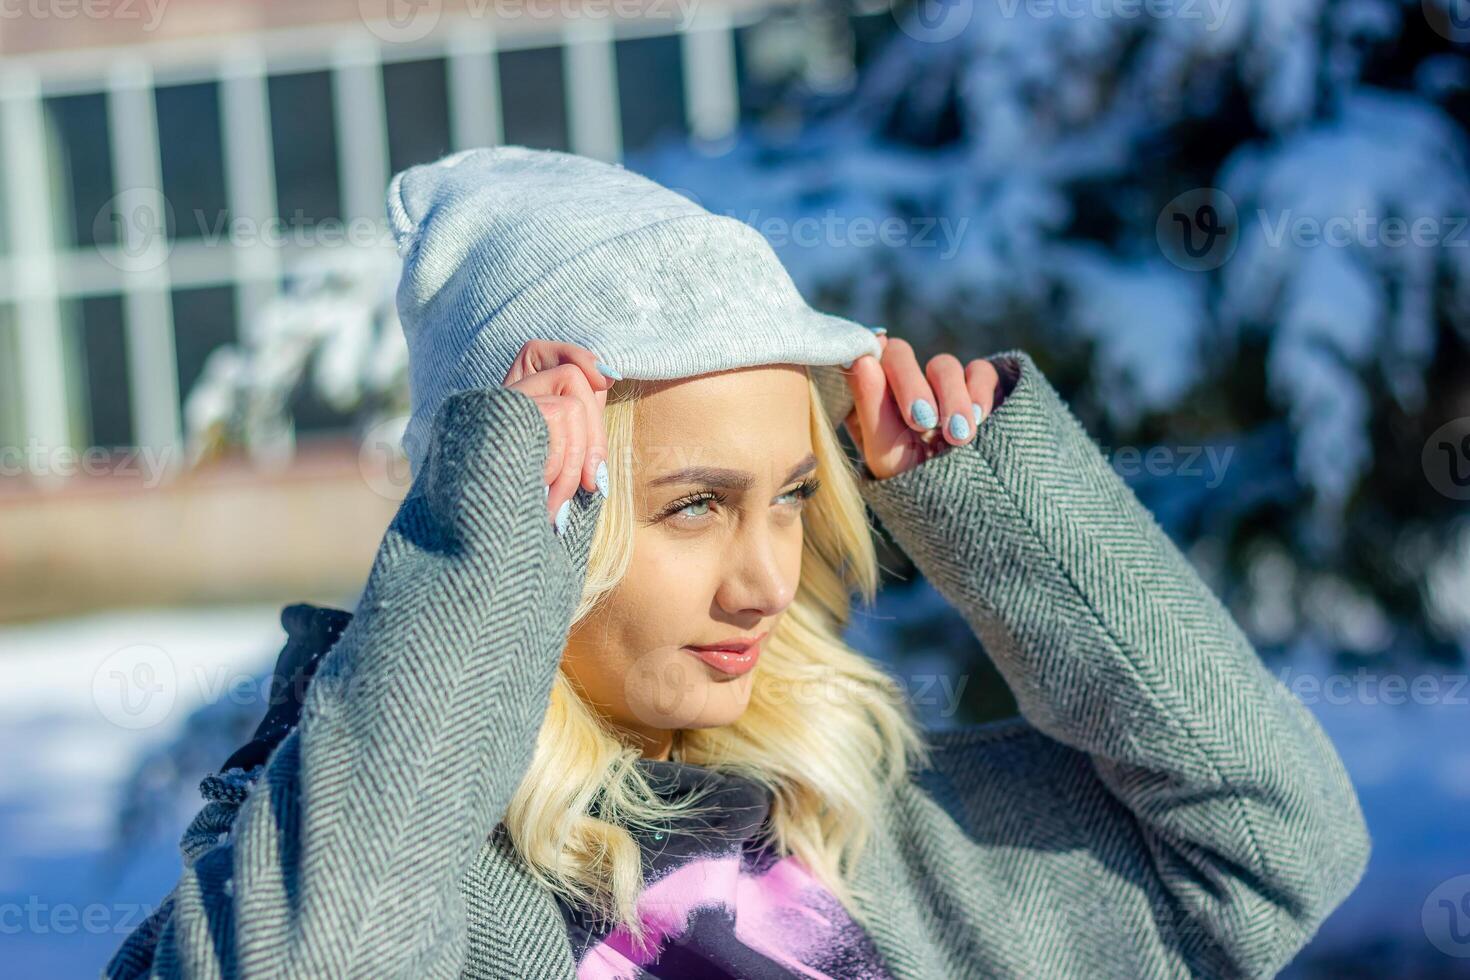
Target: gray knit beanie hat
501 245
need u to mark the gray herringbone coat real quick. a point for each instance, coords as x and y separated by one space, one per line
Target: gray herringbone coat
1163 807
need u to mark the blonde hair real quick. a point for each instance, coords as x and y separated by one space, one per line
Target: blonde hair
829 764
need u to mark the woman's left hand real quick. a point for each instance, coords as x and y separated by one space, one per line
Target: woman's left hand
903 414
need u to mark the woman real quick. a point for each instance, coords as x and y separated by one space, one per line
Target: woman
592 715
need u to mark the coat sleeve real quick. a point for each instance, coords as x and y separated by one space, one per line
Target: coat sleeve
1121 657
343 858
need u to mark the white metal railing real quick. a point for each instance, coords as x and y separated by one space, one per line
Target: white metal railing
37 275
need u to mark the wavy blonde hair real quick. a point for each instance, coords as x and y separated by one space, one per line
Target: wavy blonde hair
829 764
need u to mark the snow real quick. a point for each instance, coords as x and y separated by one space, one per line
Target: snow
1148 323
1319 242
68 743
335 330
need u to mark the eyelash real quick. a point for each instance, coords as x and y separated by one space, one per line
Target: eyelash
802 491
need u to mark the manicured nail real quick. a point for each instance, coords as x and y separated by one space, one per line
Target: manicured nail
959 426
977 410
602 478
923 413
878 329
561 516
609 370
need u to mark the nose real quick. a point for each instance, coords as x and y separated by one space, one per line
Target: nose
762 567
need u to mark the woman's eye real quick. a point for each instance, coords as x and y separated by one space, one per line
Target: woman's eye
803 491
697 503
689 512
680 512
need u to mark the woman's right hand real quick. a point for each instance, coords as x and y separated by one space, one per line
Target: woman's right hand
569 385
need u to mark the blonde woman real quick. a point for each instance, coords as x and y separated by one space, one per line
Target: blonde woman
593 715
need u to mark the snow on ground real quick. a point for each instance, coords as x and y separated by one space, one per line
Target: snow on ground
82 700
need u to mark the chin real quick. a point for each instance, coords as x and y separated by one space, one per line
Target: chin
715 719
705 704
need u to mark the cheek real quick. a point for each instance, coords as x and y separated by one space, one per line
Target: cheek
669 587
629 655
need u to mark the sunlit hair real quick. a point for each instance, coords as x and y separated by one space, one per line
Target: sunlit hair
826 729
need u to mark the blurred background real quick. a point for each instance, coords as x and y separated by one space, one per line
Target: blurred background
1233 233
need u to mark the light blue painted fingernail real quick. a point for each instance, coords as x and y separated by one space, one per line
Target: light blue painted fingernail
977 410
609 370
602 477
923 413
561 516
878 329
959 426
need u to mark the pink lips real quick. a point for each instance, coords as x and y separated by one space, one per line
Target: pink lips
731 659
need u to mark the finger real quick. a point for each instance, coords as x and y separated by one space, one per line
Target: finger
568 381
855 429
536 356
553 407
947 377
869 386
569 447
595 405
981 379
911 391
571 369
883 436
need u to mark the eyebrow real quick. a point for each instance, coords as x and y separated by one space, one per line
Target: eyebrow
727 479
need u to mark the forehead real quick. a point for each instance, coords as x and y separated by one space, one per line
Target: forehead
740 418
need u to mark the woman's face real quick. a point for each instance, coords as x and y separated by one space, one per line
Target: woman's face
721 465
